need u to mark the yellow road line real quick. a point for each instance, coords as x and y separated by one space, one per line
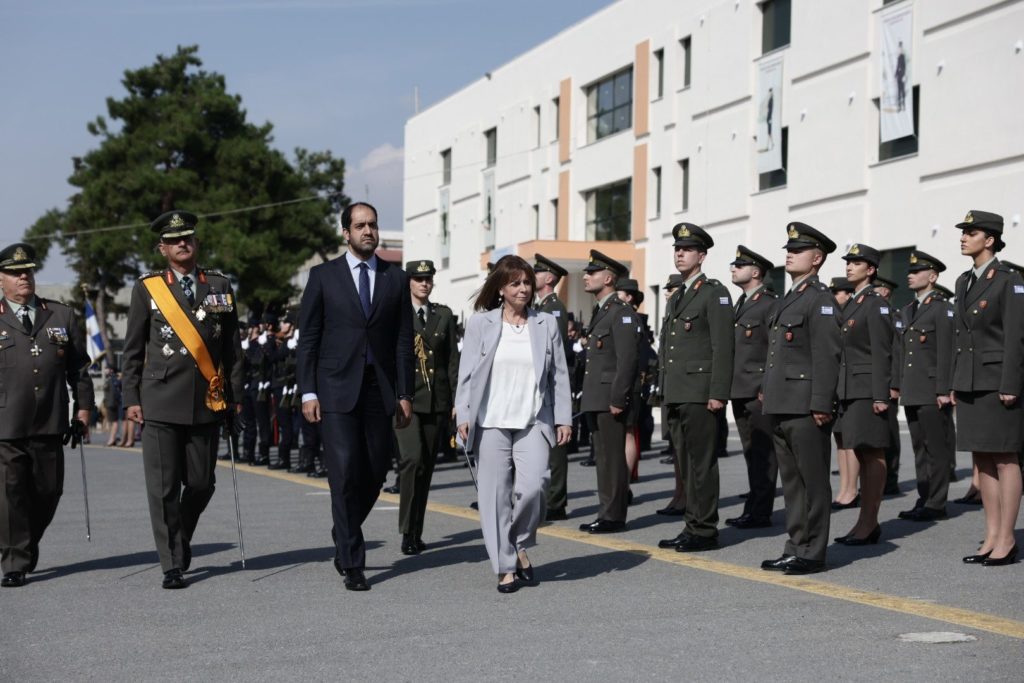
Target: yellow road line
952 615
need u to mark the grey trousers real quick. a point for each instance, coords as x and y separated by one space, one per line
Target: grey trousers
512 476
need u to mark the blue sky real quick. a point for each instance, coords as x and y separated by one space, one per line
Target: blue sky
329 74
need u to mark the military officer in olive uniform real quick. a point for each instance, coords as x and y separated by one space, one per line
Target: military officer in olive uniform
922 367
607 388
696 366
182 374
437 374
548 275
755 429
988 379
798 392
42 353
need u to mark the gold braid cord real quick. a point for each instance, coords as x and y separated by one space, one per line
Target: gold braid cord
421 354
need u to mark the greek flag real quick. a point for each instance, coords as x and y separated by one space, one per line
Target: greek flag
94 340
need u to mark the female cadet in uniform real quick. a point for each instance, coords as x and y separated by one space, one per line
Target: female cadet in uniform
987 380
865 374
512 405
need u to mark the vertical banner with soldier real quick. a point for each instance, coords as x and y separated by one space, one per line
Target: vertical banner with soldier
896 103
769 115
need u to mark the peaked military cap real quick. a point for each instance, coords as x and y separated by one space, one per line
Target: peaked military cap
18 256
991 223
290 317
747 257
921 261
626 284
270 318
862 252
599 261
944 291
840 284
675 281
175 224
803 236
542 264
884 282
691 235
422 268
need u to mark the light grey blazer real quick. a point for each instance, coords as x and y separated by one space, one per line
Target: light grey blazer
478 346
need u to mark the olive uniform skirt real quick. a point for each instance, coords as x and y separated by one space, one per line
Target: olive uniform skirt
984 424
859 425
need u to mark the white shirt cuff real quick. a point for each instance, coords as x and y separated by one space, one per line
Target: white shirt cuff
308 397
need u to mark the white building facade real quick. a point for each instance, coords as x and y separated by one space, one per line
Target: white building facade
652 112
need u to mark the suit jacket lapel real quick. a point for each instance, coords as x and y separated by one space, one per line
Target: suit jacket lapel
432 321
689 294
538 339
12 320
202 288
344 277
383 280
982 284
42 315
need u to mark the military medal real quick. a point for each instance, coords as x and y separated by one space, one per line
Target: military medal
600 344
687 325
851 323
860 299
922 338
183 351
789 336
201 314
166 332
35 350
983 304
216 330
749 332
167 351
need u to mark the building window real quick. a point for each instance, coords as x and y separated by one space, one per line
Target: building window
656 204
609 212
610 105
685 45
894 265
554 214
446 167
536 221
659 72
491 136
900 147
536 125
777 178
775 16
684 171
557 116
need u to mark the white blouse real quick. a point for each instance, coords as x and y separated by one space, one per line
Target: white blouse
512 398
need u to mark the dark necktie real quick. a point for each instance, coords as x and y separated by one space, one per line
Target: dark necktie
364 299
26 322
186 286
913 307
739 302
971 280
421 314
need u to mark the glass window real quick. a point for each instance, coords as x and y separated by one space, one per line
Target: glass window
536 125
659 71
609 212
446 167
610 105
656 172
777 178
558 118
775 15
684 170
685 45
491 137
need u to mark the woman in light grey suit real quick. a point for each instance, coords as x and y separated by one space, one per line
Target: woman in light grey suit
512 405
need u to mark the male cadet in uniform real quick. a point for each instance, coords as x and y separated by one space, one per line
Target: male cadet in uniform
182 376
42 353
607 388
283 386
255 419
549 274
696 369
437 374
884 288
755 428
921 377
798 392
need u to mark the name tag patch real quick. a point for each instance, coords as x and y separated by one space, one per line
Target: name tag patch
826 310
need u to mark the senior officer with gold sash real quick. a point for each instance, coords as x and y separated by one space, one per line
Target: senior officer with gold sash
437 374
42 353
182 371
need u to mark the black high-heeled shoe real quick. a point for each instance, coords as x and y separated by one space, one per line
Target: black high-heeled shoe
525 574
1009 558
510 587
836 505
870 539
977 559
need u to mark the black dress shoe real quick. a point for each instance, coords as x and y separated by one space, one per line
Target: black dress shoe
174 580
750 522
1009 558
923 514
354 579
778 565
603 526
855 503
260 462
299 469
510 587
394 488
972 498
278 466
870 539
317 474
409 546
977 559
420 545
13 580
186 555
525 574
673 542
695 544
670 460
799 565
671 511
629 497
556 515
589 462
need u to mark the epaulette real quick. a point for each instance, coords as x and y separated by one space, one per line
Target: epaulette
51 303
820 286
211 271
1005 268
155 273
769 293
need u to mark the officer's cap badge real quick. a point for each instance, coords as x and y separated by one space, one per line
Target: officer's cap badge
855 249
685 232
913 259
20 255
176 222
793 233
969 218
423 267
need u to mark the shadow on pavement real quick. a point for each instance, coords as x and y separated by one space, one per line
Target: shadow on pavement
589 566
464 547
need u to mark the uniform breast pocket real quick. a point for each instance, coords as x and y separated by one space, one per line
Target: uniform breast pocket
156 373
748 331
7 352
792 325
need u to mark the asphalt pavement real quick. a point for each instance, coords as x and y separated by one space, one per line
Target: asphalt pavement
608 608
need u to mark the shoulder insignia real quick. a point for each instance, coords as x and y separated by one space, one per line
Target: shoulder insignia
991 274
802 287
145 276
211 271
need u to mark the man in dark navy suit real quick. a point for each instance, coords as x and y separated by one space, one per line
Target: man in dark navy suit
356 372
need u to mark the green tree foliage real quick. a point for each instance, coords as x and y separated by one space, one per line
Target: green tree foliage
178 139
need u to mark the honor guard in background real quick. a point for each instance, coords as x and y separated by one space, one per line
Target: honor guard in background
885 287
607 387
988 362
284 387
255 419
628 290
696 365
549 275
437 374
264 387
42 354
922 379
754 427
798 392
182 375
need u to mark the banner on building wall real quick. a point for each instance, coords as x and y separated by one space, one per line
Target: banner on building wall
769 115
488 219
444 222
896 104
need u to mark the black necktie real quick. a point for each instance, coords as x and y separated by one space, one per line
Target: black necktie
971 280
186 286
421 314
364 299
739 302
913 307
26 322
